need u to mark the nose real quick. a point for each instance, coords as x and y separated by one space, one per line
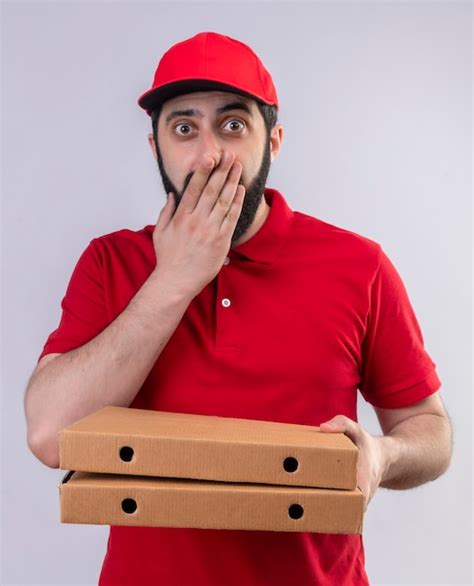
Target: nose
209 146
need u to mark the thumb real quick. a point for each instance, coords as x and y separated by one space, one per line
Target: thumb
331 425
166 212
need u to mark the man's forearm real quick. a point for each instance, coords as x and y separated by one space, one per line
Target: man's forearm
108 370
416 451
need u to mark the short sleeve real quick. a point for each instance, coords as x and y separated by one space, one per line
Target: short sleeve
396 370
84 312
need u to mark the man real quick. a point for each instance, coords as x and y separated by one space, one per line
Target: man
236 305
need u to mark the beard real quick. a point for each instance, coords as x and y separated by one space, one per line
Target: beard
253 192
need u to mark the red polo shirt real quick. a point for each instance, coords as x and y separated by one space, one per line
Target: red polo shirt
299 318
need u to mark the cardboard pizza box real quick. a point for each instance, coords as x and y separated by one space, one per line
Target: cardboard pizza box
142 442
112 499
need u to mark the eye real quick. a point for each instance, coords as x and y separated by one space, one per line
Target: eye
233 121
183 124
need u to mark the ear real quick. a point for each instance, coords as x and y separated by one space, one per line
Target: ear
276 138
151 142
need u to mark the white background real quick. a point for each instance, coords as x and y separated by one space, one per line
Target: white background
376 105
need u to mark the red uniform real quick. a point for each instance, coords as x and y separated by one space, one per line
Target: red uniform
299 318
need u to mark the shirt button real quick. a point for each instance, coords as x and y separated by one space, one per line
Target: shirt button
226 302
226 260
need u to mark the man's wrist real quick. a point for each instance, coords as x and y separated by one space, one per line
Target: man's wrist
390 449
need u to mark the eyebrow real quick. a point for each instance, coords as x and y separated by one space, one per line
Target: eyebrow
236 105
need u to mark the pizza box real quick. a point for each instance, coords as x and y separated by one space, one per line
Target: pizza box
113 499
143 442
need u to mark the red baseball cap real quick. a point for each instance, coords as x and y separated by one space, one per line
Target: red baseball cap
206 62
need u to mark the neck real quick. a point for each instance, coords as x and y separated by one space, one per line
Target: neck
262 212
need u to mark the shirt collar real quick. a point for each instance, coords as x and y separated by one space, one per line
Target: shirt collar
265 244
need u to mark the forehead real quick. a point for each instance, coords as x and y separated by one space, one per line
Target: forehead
214 97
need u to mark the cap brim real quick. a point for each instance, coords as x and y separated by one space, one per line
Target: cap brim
151 99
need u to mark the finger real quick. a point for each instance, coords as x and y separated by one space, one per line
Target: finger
227 195
194 188
215 185
336 424
166 212
329 427
339 423
230 219
344 424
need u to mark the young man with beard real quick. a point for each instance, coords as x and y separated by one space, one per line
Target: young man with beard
235 305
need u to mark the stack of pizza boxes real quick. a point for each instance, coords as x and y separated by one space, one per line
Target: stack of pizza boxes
131 466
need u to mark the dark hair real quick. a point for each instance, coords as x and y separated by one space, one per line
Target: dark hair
269 115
